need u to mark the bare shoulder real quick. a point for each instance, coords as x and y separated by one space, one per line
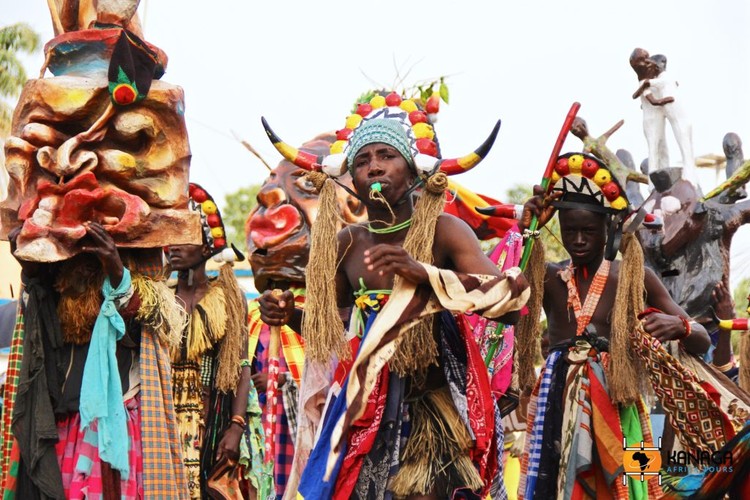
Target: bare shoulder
452 228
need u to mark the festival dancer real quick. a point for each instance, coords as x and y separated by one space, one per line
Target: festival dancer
397 423
588 396
210 371
88 406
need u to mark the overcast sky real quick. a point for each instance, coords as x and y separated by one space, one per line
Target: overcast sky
302 64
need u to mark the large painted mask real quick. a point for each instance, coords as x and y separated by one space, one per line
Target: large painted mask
98 141
278 228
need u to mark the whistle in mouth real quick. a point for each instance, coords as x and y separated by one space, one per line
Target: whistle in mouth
376 187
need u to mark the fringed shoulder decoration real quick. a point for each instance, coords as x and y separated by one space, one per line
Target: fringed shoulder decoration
159 311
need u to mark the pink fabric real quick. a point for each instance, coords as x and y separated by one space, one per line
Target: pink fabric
79 459
505 255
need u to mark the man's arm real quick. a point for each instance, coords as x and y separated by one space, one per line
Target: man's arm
669 324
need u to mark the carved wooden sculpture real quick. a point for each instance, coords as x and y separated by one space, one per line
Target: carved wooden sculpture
102 140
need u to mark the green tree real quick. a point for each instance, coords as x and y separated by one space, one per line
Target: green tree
550 235
237 207
13 39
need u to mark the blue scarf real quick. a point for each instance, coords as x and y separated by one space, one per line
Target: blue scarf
101 388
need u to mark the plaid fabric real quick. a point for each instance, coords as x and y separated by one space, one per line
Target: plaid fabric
532 452
291 362
9 397
292 343
163 470
81 465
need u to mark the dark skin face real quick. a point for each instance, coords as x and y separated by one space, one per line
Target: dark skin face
584 234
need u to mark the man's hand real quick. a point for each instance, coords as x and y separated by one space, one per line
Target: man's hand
393 259
664 327
104 248
229 446
276 310
260 380
539 205
723 302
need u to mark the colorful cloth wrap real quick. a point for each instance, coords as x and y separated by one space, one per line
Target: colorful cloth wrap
369 383
101 388
291 361
575 434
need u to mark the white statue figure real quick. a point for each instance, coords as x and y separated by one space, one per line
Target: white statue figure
660 102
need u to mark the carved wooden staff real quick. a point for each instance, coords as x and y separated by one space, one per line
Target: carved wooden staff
272 387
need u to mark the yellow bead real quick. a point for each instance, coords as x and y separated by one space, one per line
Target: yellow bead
377 101
338 147
423 131
602 176
619 203
408 106
353 121
209 207
574 164
555 177
217 232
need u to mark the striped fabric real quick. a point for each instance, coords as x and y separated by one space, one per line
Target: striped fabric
9 396
292 344
291 362
533 448
163 470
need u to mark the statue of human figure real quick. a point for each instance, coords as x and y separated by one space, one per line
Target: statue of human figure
660 102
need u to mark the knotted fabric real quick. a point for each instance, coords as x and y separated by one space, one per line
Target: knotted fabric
101 388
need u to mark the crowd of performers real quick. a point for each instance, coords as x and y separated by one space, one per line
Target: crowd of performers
388 355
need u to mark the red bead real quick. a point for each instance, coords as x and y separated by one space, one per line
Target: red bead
393 99
589 167
427 147
611 190
417 117
199 195
220 243
562 167
364 109
213 220
343 134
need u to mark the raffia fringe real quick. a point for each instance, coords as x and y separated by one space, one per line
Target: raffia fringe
623 375
528 348
159 312
416 349
324 330
436 455
744 377
231 351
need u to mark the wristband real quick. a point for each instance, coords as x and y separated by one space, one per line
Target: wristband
688 328
239 420
725 368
